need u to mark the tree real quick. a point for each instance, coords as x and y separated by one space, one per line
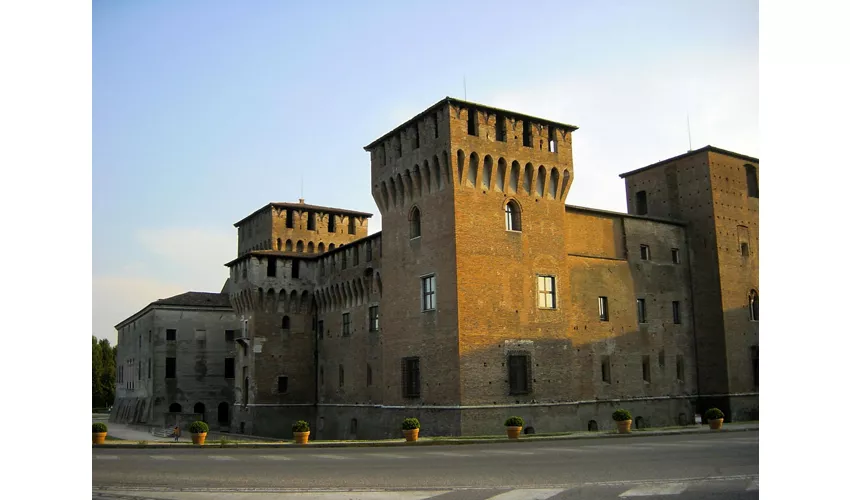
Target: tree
97 399
103 373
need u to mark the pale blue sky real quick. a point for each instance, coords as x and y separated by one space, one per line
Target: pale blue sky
203 111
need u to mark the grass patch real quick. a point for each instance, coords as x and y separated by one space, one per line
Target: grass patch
113 438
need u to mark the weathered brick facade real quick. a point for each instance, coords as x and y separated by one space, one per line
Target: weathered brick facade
500 299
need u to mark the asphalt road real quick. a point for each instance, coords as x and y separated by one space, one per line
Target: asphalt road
717 465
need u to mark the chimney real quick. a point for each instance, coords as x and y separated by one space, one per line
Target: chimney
301 200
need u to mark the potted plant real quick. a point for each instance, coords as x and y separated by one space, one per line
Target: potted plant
301 431
410 427
624 421
514 426
715 418
199 431
98 433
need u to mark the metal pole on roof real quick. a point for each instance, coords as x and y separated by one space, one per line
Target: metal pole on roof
464 87
690 148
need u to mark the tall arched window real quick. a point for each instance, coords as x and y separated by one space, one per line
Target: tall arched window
415 226
175 408
512 217
754 305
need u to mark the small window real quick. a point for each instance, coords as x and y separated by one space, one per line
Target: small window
641 310
661 360
296 271
752 181
282 385
603 308
644 252
518 373
373 318
289 218
680 368
341 377
553 140
501 129
321 329
170 334
149 367
415 137
754 305
271 269
512 216
229 335
346 324
754 358
284 323
331 223
368 375
352 225
745 250
526 134
428 293
229 367
677 317
311 222
675 256
647 374
606 369
641 203
415 223
546 292
410 377
436 128
472 122
170 367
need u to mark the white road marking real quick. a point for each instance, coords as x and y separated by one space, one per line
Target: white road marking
221 457
536 494
507 452
275 457
647 490
574 450
754 485
669 445
608 447
385 455
447 454
331 457
161 457
105 457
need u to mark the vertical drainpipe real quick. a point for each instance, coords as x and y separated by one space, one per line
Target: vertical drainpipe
692 311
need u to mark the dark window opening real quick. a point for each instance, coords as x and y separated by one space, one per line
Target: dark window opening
644 252
284 323
368 375
355 255
321 328
368 251
677 318
472 122
641 310
752 181
553 140
641 203
346 324
373 318
344 259
675 255
745 250
170 334
647 375
296 269
436 128
311 222
513 221
341 376
592 426
410 377
680 367
352 225
331 223
175 408
526 133
170 367
518 373
754 305
661 361
271 270
501 129
415 226
754 357
290 219
606 369
229 367
282 385
229 335
603 308
415 136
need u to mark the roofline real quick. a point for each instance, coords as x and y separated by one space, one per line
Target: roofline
302 256
576 208
704 149
452 100
154 305
284 204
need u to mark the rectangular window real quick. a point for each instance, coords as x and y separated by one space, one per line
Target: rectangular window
341 377
745 250
229 367
641 310
170 334
296 269
680 368
321 329
352 225
368 375
754 357
553 140
229 335
603 308
271 269
368 251
140 341
501 129
647 375
289 218
526 133
752 181
331 223
472 122
546 292
644 252
641 203
410 377
518 373
346 324
149 368
677 318
282 385
428 293
661 361
373 318
606 369
416 136
170 367
311 221
675 255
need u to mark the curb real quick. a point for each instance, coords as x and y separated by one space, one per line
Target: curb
426 441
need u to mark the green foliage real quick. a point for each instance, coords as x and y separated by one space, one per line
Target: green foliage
410 423
301 426
514 422
621 415
198 427
98 427
713 414
103 373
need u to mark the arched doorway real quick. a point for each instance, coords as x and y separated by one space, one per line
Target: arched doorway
223 413
200 410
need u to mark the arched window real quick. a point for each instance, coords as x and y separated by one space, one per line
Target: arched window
285 323
299 247
321 248
310 247
200 409
175 408
288 245
754 305
279 244
512 217
415 226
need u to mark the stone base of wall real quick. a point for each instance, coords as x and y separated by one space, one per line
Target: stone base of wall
375 422
272 421
743 408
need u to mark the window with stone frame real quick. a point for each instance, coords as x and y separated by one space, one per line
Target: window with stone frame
519 373
346 324
373 318
546 292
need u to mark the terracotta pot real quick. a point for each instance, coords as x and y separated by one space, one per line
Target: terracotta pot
301 437
199 438
624 426
98 437
513 432
411 434
715 424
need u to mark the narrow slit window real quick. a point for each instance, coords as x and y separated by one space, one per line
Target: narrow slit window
606 369
641 203
641 310
675 256
526 134
647 373
677 315
644 252
553 140
472 122
603 308
501 129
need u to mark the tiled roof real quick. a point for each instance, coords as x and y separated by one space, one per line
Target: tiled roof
196 299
